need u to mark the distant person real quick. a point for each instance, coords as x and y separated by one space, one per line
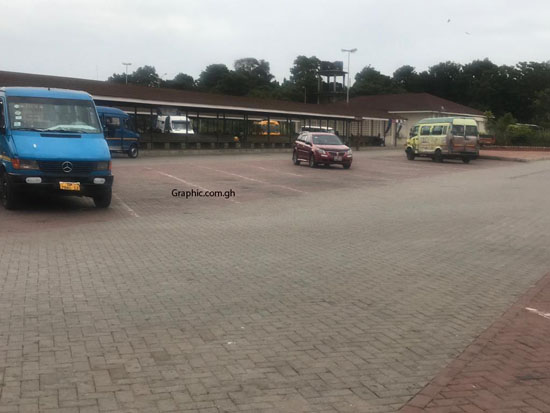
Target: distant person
355 141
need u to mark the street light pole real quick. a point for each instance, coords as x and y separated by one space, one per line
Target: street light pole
305 94
126 64
349 52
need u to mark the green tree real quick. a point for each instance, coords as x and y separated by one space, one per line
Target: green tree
144 76
233 83
370 81
181 81
303 79
118 78
406 78
499 127
211 76
259 80
541 108
444 80
255 69
533 77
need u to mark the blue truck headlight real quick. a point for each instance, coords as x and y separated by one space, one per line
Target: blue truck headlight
103 166
24 164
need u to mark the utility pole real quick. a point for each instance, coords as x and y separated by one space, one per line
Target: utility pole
349 52
126 64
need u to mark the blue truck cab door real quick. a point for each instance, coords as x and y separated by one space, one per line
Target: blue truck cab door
113 128
129 138
5 156
4 153
118 131
2 130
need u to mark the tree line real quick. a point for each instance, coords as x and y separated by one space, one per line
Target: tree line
521 91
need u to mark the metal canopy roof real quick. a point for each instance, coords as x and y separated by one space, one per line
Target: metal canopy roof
149 97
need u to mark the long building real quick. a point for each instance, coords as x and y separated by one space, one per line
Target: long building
218 118
412 107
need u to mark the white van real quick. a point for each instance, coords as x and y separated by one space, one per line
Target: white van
175 124
444 138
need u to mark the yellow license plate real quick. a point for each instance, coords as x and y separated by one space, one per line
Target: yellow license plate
69 186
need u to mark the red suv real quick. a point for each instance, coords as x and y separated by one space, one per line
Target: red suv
321 148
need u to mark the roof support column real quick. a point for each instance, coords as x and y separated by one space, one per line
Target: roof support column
224 123
268 129
151 128
288 124
217 128
246 128
186 126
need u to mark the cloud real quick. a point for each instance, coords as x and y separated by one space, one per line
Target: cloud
92 38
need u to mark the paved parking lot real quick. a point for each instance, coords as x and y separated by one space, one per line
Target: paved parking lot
311 290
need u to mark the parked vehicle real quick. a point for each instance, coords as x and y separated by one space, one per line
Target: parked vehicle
487 140
175 124
321 148
317 129
118 132
522 134
260 127
444 138
51 140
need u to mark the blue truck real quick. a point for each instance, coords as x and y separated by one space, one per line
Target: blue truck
52 140
118 131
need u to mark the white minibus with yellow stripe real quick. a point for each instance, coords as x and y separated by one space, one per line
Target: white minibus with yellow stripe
444 138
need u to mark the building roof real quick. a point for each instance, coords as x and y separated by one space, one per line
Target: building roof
368 107
408 102
149 96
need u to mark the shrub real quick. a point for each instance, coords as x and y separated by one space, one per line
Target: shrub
525 135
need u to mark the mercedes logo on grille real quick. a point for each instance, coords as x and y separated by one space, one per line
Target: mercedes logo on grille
67 167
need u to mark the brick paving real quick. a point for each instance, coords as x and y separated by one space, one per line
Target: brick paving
506 369
316 290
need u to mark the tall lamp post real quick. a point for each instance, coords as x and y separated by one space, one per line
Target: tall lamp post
349 52
129 64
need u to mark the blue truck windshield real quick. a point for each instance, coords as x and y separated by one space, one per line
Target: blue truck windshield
56 115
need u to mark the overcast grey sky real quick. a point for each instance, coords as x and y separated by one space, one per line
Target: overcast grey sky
90 39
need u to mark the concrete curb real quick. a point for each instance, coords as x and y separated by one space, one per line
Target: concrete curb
207 152
232 151
505 158
502 158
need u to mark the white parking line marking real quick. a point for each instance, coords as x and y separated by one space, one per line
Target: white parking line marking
275 170
126 206
537 312
254 180
191 184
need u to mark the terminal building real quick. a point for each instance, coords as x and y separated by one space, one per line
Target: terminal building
226 121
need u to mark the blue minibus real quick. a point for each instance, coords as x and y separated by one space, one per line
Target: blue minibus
52 140
118 131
